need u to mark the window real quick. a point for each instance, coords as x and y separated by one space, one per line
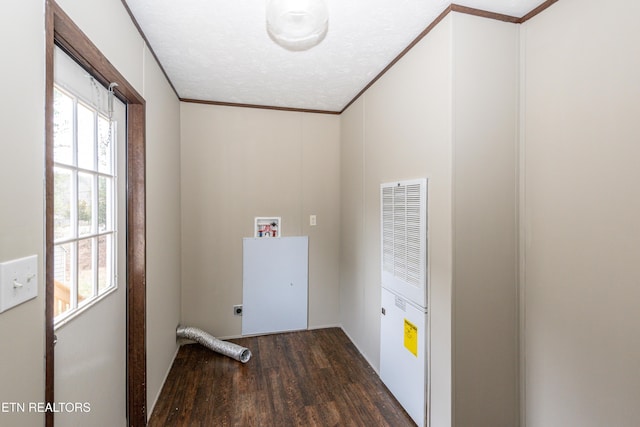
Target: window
84 205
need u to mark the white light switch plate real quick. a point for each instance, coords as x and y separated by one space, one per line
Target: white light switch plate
18 281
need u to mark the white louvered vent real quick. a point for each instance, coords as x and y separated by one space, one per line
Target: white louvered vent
404 234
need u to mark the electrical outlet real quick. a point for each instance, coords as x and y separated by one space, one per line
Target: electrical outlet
312 220
237 310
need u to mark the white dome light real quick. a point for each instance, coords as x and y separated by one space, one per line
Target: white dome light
297 24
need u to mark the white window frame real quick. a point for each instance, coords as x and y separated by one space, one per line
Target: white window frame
76 307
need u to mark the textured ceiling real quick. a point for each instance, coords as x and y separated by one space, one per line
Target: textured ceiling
215 50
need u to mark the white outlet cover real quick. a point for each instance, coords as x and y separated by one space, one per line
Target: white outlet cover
18 281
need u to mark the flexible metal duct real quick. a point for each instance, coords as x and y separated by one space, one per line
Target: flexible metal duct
230 349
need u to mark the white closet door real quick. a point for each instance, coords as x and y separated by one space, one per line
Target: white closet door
274 284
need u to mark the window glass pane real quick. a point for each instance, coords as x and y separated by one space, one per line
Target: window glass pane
86 138
62 128
85 204
62 203
62 278
86 270
104 146
105 209
105 263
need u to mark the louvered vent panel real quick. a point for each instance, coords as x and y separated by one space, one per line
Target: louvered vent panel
415 268
399 233
404 231
387 229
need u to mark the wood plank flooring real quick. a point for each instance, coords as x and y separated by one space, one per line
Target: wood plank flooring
306 378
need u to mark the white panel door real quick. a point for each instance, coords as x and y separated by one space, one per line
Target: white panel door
274 284
90 353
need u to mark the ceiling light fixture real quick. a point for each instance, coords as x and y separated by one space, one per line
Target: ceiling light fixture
297 24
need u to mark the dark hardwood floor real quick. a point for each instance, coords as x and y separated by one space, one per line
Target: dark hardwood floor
306 378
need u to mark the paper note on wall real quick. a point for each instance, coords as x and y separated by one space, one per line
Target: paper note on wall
411 337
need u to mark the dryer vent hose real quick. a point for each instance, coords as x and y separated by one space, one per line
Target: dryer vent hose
230 349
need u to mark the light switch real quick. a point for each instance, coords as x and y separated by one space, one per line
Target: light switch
312 220
18 281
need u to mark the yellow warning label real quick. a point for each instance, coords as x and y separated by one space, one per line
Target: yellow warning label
411 337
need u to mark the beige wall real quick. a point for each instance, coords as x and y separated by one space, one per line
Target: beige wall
581 105
485 325
446 111
21 214
400 129
22 160
163 225
239 163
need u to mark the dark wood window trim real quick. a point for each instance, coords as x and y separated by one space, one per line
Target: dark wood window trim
61 31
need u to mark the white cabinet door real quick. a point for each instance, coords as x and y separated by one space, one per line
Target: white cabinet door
274 284
403 353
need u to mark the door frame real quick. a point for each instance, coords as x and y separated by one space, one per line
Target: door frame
61 31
